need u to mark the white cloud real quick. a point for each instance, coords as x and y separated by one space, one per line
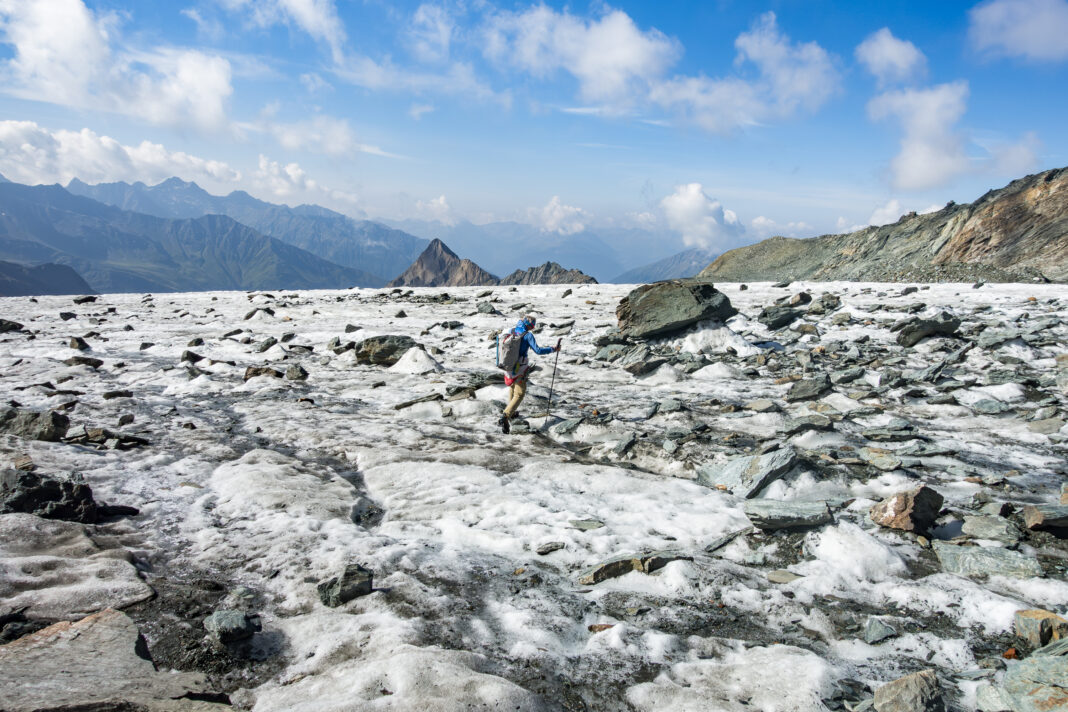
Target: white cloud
326 135
611 57
431 33
891 59
1033 29
437 209
459 79
702 221
283 181
32 154
72 63
764 227
932 151
793 77
562 219
208 27
886 214
418 110
314 83
318 18
1015 159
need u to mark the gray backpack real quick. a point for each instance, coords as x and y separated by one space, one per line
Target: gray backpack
508 349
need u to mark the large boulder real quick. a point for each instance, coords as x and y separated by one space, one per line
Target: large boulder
48 497
918 692
915 330
746 476
34 425
99 663
383 350
913 510
770 514
664 308
985 561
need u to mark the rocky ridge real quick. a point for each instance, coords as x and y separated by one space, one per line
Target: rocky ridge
1018 233
439 266
548 273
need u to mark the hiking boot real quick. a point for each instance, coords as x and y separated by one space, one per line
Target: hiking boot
505 427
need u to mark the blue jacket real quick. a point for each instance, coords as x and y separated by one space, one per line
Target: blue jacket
529 343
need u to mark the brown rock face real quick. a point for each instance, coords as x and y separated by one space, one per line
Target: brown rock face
548 273
912 511
439 266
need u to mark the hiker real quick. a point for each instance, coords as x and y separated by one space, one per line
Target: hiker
516 376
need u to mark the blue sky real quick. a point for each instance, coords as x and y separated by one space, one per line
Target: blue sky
715 123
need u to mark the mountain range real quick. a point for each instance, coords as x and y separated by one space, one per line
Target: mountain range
678 266
363 245
1013 234
439 266
121 251
22 280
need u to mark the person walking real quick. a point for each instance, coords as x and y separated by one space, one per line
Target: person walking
516 377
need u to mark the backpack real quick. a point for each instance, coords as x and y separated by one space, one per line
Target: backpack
508 349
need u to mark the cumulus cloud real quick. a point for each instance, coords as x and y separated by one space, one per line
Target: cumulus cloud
702 221
932 151
792 77
890 59
562 219
283 181
33 154
886 214
314 83
436 209
318 18
1032 29
72 63
764 227
430 33
609 56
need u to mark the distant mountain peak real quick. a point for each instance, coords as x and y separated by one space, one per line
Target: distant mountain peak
548 273
439 266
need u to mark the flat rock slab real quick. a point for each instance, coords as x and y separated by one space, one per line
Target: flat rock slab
1046 515
55 570
991 527
915 330
49 426
746 476
918 692
809 388
98 663
1038 684
769 514
647 562
985 561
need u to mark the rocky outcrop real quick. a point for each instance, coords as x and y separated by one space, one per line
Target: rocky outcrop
1017 233
548 273
439 266
48 497
665 308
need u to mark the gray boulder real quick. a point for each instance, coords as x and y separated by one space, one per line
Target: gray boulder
1045 516
915 330
808 388
876 631
778 317
913 510
985 561
383 350
918 692
991 527
47 497
7 326
746 476
769 514
228 626
48 425
665 308
353 582
1038 684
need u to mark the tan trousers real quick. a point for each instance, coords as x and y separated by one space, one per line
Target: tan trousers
516 391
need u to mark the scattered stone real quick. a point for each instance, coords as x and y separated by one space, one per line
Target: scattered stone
84 300
803 423
782 576
401 314
1046 426
668 307
349 328
77 342
622 565
190 357
486 308
918 692
808 388
48 425
1038 684
228 626
913 510
112 395
880 458
549 548
746 476
995 528
586 524
1045 516
989 406
98 663
876 631
67 316
93 363
257 310
1039 627
769 514
47 497
255 371
847 375
9 326
763 405
353 582
985 561
265 344
778 317
915 330
296 372
383 350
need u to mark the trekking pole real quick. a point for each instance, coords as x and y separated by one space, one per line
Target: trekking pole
549 408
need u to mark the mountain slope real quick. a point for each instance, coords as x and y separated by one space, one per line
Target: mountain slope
439 266
359 244
123 251
683 264
1016 233
23 280
548 273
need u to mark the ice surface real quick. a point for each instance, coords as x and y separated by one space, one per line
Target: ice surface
275 485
